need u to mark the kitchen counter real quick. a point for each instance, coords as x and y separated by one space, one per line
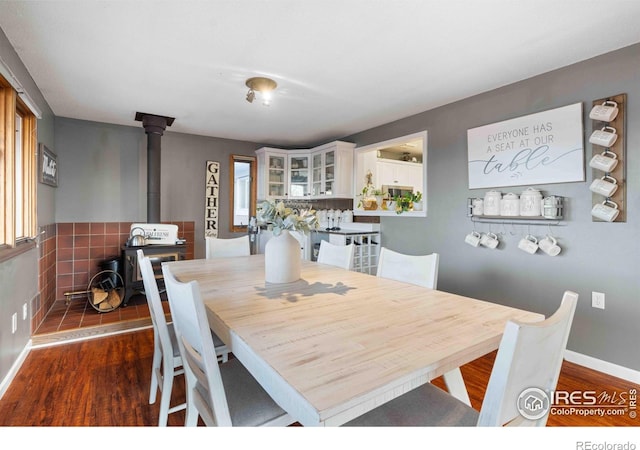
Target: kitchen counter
346 232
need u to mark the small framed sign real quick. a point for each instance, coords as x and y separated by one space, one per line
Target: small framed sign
47 167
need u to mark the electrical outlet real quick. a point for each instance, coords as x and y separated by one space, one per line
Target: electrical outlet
14 323
25 311
597 300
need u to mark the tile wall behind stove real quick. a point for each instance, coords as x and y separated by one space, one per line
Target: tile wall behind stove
72 253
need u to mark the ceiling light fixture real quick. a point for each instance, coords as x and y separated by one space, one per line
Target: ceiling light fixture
263 85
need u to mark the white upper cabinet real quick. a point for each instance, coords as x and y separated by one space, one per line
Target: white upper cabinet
273 173
399 173
321 172
299 170
332 166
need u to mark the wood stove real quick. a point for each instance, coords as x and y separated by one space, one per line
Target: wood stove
157 254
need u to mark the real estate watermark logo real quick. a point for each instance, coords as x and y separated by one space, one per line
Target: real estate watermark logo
534 403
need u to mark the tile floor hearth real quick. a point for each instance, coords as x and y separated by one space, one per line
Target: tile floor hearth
79 315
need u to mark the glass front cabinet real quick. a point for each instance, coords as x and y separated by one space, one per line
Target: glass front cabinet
333 170
272 173
299 176
321 172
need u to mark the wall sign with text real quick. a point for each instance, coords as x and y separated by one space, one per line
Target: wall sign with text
47 167
546 147
212 186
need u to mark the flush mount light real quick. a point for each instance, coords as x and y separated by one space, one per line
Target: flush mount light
262 85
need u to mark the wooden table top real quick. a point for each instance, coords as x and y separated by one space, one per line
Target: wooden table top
337 343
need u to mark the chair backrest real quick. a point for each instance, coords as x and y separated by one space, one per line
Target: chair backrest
224 248
416 269
529 357
156 311
336 255
198 352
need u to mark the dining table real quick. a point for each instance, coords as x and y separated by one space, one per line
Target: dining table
337 343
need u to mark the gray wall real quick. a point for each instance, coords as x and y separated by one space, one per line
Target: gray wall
103 174
19 276
601 257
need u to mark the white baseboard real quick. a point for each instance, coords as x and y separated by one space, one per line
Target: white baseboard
4 385
603 366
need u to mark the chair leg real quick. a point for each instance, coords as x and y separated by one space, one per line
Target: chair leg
165 399
191 418
456 387
155 368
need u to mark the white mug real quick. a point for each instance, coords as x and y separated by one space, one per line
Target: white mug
604 162
605 112
604 187
473 239
604 138
489 240
605 212
549 245
528 244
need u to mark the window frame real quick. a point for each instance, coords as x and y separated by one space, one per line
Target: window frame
252 189
10 106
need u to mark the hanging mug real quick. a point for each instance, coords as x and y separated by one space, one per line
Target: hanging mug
603 137
528 244
549 245
605 161
607 211
606 186
605 112
489 240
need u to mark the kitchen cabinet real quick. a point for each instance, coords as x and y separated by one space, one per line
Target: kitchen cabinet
272 173
398 173
325 171
299 175
332 170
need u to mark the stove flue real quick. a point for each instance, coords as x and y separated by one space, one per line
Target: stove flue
154 127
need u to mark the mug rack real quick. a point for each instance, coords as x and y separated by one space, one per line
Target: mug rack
519 220
619 149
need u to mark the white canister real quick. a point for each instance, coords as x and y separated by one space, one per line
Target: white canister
347 216
531 203
510 205
491 204
477 208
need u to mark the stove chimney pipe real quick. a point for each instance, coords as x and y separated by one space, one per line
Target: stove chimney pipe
154 127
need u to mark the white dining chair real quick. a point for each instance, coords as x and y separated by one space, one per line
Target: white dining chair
416 269
225 248
336 255
221 394
167 362
528 363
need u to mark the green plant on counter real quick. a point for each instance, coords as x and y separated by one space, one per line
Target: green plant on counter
404 203
416 197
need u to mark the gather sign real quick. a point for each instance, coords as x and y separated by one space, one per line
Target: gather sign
212 186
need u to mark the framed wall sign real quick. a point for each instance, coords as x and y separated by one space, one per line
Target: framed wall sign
212 186
546 147
47 166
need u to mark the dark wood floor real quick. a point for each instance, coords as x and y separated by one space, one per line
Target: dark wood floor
105 382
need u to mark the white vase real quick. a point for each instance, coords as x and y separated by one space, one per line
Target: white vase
282 259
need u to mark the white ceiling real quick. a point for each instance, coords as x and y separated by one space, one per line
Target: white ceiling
342 66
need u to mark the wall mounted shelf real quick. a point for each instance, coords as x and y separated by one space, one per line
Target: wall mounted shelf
520 220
